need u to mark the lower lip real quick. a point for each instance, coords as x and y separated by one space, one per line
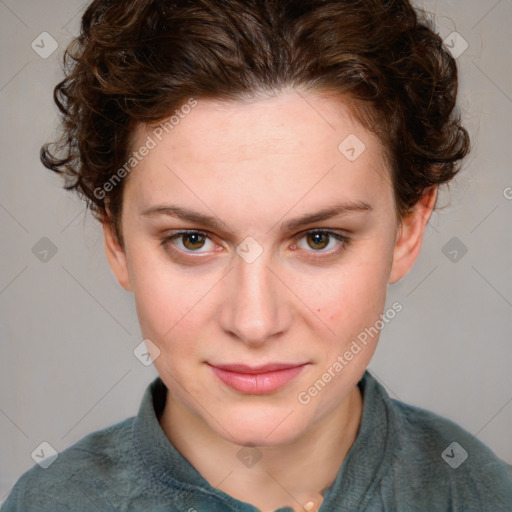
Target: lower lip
257 384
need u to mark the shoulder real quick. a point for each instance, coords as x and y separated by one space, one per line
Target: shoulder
88 464
437 455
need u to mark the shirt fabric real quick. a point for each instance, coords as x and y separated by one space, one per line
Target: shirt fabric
403 459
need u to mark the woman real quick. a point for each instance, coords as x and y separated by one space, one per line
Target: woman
262 171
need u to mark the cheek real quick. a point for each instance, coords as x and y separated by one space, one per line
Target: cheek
169 315
346 299
165 300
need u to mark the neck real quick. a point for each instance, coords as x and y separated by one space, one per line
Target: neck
296 474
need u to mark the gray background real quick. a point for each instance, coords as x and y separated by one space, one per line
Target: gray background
68 330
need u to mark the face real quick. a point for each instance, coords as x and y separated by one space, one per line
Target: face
227 270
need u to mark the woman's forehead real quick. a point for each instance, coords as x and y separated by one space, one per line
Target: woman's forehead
270 153
296 129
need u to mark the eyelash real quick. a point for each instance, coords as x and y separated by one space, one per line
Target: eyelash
166 242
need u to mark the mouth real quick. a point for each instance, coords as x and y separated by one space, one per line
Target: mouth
257 380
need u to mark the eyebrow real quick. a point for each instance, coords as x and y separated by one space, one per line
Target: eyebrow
211 222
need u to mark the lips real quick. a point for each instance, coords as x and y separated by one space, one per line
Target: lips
257 380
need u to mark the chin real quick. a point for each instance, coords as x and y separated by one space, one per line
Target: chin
262 431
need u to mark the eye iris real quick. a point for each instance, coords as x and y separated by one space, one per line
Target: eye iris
316 237
195 244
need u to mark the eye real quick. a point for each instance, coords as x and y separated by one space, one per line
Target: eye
319 240
191 241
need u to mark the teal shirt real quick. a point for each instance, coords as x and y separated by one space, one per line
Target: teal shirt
404 459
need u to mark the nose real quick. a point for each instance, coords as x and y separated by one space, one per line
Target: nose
255 308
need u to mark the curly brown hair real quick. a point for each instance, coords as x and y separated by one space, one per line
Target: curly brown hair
138 61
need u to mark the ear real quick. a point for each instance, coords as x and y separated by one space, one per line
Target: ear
410 235
116 255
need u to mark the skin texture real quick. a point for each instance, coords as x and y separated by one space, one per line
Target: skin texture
253 166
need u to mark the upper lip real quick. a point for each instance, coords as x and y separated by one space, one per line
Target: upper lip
243 368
